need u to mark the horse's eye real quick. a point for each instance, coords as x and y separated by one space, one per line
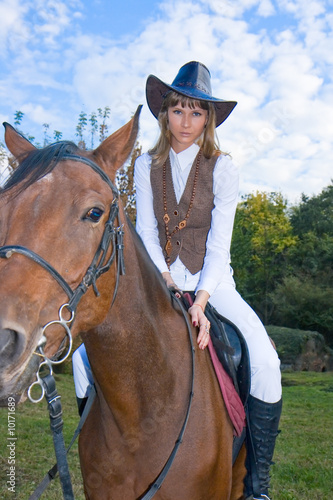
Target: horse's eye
94 214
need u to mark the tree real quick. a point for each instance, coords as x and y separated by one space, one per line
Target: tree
93 127
57 135
80 127
261 241
125 183
304 298
302 303
312 222
18 118
314 214
46 127
103 114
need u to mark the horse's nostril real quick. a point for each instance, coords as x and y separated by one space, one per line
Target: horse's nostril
9 343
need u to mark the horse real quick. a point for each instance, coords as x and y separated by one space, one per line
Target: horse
55 209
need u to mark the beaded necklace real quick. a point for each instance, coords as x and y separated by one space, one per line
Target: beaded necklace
166 218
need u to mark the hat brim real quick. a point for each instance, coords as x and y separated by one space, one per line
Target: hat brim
156 91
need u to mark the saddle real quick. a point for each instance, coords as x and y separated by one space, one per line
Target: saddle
230 358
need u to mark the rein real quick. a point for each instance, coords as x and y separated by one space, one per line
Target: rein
155 486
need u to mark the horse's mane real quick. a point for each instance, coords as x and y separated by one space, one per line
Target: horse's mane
39 163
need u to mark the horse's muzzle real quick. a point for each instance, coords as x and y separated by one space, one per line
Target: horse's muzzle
15 376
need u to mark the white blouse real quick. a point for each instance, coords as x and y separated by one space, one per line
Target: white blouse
216 267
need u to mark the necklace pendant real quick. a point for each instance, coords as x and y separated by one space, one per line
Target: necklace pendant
168 248
182 224
166 218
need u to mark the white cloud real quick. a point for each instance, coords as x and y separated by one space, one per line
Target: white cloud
274 58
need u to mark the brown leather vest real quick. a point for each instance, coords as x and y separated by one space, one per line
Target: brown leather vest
190 242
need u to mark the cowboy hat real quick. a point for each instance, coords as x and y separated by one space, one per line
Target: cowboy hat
192 80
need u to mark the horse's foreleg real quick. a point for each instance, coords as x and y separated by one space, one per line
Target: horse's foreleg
238 475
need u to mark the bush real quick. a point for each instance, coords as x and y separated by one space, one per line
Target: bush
301 349
303 304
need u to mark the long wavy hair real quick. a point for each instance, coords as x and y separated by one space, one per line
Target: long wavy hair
208 140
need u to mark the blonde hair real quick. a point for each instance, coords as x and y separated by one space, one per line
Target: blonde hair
208 140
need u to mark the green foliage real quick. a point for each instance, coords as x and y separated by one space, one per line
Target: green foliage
291 343
104 115
93 128
57 135
304 297
261 240
18 117
46 127
305 304
312 222
314 214
80 127
125 184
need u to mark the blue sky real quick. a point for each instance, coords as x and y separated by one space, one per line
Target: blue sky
275 58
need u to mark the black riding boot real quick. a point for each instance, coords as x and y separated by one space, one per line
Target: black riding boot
263 422
81 403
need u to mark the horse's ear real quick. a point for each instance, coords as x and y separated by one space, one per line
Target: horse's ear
115 149
18 145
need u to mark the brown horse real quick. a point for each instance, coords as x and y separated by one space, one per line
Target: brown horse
57 205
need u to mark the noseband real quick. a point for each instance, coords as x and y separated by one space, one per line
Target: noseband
100 264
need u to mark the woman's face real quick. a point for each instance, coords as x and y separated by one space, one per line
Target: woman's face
186 125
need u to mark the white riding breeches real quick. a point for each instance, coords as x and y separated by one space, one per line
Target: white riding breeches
264 361
83 378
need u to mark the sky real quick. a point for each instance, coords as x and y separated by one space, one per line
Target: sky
275 58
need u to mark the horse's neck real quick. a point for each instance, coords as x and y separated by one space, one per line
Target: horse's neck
138 353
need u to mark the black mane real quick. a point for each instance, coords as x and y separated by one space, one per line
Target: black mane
39 163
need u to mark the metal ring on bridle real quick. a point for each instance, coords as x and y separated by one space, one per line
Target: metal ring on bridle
65 324
39 382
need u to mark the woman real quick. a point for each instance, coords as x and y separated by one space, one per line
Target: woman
186 195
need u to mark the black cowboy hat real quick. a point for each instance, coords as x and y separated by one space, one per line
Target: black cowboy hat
192 80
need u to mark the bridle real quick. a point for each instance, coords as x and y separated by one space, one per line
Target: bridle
101 263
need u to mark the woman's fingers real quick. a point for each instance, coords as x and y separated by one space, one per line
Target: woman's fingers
204 334
199 319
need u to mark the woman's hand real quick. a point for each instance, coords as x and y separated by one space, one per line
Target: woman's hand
199 319
171 284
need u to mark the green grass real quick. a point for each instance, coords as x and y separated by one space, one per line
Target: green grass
304 457
34 446
303 460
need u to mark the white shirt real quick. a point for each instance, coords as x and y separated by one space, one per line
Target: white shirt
216 267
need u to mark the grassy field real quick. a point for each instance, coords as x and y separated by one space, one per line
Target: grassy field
304 457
